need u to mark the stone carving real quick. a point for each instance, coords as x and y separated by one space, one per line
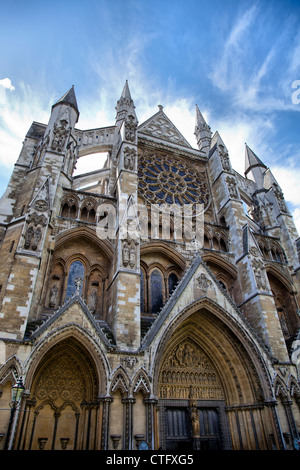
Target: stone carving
71 158
40 150
36 219
93 301
258 268
41 205
61 381
129 254
194 414
201 285
129 361
53 296
254 251
280 198
36 238
224 159
162 128
78 283
60 133
33 232
129 158
28 237
130 129
255 212
232 187
185 366
283 322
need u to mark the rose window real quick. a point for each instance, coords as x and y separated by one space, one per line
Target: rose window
165 180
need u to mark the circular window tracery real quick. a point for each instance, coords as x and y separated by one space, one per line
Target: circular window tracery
165 179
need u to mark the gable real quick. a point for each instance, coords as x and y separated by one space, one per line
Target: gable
197 285
159 126
74 312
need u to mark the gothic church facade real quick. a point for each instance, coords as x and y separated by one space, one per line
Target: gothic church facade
175 341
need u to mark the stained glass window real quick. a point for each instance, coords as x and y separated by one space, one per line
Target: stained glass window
165 179
75 279
156 291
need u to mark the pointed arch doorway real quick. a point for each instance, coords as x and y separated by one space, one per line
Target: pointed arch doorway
192 399
63 407
212 388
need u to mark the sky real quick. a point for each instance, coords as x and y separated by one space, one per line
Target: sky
238 60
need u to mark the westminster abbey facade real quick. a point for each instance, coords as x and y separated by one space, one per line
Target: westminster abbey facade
129 323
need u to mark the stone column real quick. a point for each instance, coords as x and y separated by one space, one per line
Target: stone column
106 401
150 404
128 411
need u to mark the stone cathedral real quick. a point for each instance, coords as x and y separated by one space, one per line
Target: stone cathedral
173 339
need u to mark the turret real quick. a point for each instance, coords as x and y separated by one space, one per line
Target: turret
126 283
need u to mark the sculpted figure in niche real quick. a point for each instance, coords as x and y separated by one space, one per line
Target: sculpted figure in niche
132 256
224 159
280 198
28 237
259 275
59 135
129 159
232 187
53 296
130 128
36 238
194 413
93 301
125 254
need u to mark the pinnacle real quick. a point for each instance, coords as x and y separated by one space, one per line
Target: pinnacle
199 118
252 160
126 91
69 98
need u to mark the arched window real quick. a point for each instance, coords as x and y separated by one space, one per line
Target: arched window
75 279
172 281
216 244
84 214
223 245
156 291
65 210
206 242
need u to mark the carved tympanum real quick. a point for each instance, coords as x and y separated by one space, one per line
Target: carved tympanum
185 366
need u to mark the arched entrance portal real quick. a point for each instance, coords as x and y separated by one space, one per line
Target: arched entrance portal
63 406
193 398
212 389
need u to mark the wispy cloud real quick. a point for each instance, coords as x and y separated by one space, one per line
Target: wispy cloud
247 69
17 112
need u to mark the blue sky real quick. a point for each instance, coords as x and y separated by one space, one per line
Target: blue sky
238 60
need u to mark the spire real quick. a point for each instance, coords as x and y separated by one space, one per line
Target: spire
126 92
252 161
68 98
202 132
200 121
125 106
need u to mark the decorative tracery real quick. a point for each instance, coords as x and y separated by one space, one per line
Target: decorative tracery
164 179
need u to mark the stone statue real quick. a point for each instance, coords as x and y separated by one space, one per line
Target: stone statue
53 296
